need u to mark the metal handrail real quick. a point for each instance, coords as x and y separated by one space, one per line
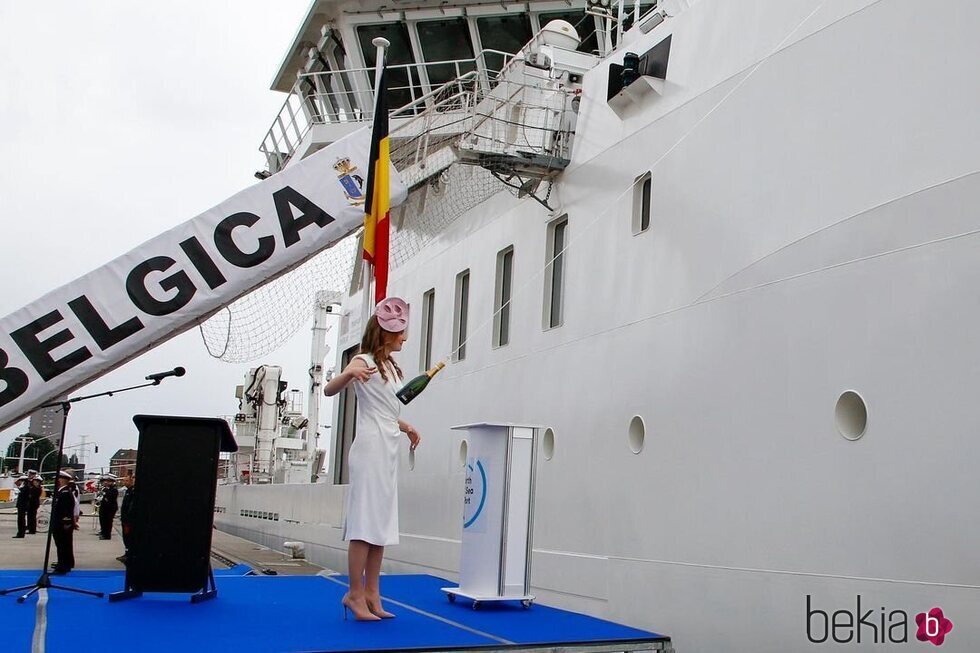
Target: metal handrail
473 74
354 101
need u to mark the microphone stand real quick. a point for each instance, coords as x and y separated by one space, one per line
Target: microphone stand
44 580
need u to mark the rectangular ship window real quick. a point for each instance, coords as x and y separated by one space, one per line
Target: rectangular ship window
554 278
428 321
501 297
642 198
508 33
404 85
629 19
460 315
446 40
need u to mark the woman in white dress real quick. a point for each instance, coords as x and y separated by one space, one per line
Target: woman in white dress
371 521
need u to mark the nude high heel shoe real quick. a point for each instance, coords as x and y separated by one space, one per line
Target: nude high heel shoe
378 611
348 604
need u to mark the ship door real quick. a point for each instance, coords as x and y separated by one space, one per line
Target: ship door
346 421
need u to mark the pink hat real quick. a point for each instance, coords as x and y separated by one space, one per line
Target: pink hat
392 314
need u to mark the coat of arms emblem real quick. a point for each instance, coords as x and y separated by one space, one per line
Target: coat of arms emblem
352 182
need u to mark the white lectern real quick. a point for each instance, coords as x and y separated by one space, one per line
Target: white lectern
498 514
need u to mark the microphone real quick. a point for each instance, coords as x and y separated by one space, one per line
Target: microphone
159 376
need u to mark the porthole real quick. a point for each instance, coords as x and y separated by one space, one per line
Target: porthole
637 434
548 444
852 415
463 450
411 460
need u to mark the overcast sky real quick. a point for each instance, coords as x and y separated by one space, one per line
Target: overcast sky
120 120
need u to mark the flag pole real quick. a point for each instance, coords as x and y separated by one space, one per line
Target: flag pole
367 271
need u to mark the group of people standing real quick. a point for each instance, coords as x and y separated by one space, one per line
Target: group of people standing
65 512
28 501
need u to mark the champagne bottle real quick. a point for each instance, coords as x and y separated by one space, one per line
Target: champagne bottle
414 388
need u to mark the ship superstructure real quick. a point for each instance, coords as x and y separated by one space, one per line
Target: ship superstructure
436 48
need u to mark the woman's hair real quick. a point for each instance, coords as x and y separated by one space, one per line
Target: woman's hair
374 342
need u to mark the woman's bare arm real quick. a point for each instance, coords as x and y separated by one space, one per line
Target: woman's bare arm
409 430
356 369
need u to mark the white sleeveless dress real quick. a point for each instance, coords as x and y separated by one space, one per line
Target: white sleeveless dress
372 501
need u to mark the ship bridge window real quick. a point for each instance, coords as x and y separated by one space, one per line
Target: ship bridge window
630 18
338 86
461 315
585 26
642 197
403 81
503 33
322 89
445 40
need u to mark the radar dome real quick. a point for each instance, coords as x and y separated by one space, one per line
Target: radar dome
560 34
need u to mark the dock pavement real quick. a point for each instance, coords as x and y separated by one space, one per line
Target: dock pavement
93 553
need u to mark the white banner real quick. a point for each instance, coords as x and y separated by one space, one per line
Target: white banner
173 282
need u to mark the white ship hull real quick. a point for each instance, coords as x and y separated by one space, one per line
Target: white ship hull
816 232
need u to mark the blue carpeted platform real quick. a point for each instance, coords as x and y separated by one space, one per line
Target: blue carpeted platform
292 613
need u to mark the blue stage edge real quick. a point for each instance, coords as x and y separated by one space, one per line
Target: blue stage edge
303 614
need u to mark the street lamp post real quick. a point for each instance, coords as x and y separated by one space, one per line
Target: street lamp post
40 465
24 443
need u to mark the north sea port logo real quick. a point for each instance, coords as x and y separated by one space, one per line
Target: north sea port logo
475 496
352 183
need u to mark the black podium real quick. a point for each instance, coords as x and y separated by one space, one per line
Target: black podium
173 508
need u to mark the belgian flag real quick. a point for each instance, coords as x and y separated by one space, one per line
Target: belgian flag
378 196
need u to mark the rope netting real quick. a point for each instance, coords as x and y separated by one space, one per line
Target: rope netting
468 145
266 318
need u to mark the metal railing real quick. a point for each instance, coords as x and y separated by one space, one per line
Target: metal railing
347 96
437 119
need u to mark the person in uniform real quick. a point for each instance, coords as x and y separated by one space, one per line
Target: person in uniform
126 516
34 500
77 496
108 506
371 518
23 498
99 489
63 523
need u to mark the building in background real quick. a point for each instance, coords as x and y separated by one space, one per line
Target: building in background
47 422
123 463
77 468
